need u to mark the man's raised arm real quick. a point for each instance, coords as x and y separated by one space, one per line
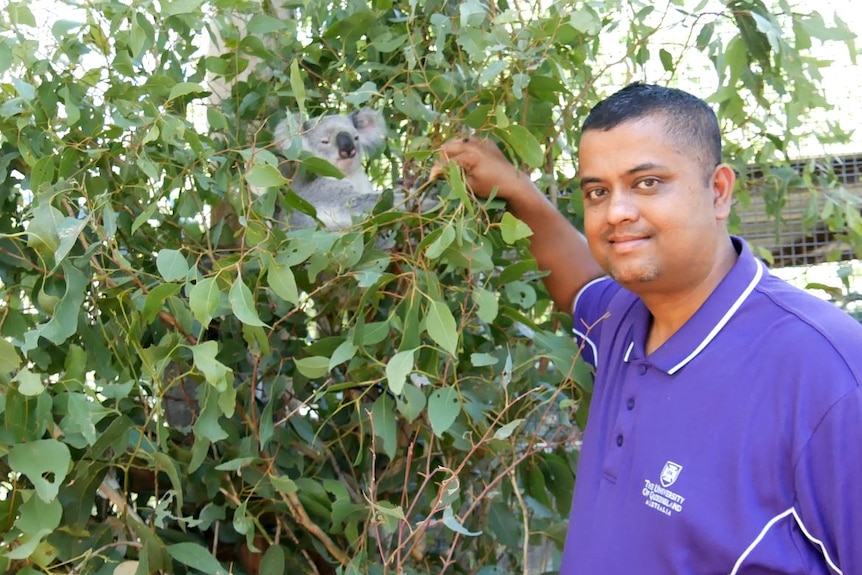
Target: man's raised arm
558 247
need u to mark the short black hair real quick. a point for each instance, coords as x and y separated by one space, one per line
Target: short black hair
689 120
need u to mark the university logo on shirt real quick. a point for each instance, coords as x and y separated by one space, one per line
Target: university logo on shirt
658 496
670 473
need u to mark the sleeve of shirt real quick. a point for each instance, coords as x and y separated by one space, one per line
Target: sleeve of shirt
591 305
828 480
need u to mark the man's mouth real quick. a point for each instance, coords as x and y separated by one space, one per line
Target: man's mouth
626 243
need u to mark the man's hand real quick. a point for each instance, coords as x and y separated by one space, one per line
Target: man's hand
485 167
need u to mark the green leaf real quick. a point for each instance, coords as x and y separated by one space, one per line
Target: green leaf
512 229
265 176
109 221
263 24
506 431
204 300
196 557
26 90
283 484
385 426
482 359
372 333
172 265
564 352
666 60
313 367
443 241
524 143
67 232
344 352
503 524
184 89
411 402
444 405
455 177
27 545
20 14
64 323
155 300
398 368
175 7
298 86
280 279
521 293
43 172
29 383
322 167
450 521
388 514
42 230
273 561
215 372
488 306
242 304
45 462
207 425
9 358
168 465
441 326
38 516
236 464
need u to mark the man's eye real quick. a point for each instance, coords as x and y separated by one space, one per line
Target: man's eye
594 193
647 183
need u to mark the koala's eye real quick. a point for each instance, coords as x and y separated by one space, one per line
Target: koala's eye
355 138
325 142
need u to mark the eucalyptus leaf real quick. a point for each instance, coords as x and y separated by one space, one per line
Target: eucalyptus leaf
313 367
242 304
441 326
45 462
385 425
204 300
172 265
281 280
411 403
398 368
444 405
197 557
9 358
265 176
216 373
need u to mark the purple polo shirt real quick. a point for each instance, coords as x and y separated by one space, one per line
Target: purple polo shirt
735 448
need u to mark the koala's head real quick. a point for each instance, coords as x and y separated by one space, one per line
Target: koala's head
342 140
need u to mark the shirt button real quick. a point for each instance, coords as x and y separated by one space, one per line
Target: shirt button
630 404
642 368
619 440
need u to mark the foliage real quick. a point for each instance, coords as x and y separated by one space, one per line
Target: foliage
189 387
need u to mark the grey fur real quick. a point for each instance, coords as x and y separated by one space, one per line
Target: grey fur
344 141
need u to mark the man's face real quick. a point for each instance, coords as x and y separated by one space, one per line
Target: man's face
652 217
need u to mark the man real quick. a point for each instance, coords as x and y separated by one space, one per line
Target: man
725 430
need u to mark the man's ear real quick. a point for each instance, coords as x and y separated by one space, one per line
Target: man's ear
723 180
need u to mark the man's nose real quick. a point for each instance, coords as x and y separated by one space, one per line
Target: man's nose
622 207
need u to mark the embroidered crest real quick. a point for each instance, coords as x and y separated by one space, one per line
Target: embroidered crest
670 473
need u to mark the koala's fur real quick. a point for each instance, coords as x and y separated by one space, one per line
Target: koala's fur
344 141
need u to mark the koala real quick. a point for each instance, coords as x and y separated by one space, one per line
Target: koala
344 141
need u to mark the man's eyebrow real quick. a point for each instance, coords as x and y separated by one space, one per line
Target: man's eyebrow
645 167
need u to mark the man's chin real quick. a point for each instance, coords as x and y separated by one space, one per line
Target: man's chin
630 276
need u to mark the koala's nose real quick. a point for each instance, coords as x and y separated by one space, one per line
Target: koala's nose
346 147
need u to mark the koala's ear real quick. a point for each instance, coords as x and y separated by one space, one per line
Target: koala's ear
371 127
